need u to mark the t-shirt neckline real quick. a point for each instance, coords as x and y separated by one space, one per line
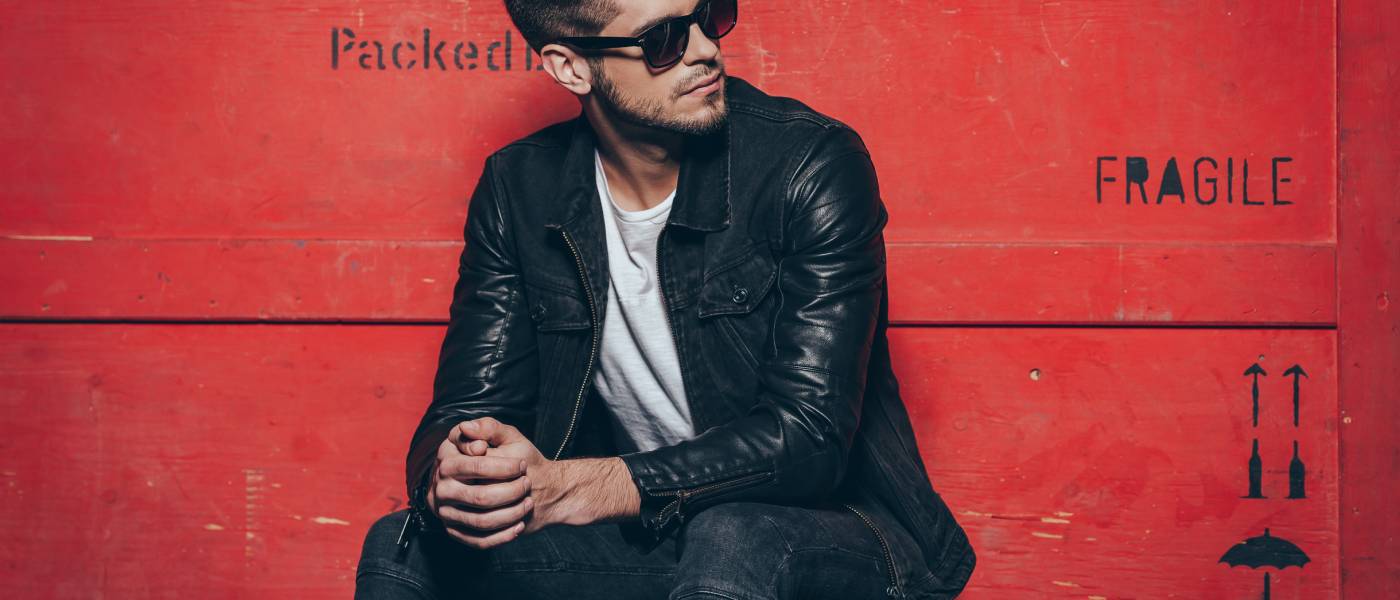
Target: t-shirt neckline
630 216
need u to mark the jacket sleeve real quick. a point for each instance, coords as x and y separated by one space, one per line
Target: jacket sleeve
487 362
792 445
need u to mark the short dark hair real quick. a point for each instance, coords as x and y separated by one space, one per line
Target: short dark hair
543 21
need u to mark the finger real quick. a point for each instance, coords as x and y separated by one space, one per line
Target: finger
448 449
490 429
471 447
483 521
483 495
481 467
483 542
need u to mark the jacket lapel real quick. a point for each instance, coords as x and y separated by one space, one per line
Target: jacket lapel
701 203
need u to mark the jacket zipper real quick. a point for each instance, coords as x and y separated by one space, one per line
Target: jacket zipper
893 590
588 373
674 507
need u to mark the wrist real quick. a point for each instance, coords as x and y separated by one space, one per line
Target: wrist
618 498
590 490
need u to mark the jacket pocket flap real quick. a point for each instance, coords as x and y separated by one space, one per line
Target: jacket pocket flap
739 287
554 310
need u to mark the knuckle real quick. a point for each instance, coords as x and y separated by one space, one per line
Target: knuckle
485 499
476 465
471 496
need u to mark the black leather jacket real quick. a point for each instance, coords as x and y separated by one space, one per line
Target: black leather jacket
772 269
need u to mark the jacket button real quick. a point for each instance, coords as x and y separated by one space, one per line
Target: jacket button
537 313
740 295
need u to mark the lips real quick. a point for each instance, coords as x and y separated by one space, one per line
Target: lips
705 82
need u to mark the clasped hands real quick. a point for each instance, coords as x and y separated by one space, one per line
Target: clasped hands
491 485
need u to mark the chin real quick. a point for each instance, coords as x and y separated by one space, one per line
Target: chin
711 109
708 117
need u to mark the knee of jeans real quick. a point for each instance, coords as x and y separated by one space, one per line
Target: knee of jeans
735 525
381 541
734 548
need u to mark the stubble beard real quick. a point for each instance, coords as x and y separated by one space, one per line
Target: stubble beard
652 113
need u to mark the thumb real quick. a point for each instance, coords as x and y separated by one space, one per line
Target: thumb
491 430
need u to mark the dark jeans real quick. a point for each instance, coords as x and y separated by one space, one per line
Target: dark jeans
737 550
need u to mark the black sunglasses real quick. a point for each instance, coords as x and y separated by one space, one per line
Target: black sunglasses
664 43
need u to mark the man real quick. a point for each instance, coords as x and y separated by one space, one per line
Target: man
666 373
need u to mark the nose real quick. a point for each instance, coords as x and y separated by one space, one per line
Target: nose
701 48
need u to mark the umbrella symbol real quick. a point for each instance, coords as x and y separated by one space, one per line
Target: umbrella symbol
1265 551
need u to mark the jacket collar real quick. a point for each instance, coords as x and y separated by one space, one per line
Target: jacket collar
702 188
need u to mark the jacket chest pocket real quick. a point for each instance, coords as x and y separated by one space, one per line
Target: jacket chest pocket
555 310
734 307
563 332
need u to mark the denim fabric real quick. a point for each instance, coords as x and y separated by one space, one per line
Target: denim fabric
737 551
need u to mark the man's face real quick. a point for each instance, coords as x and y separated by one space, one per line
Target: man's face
628 88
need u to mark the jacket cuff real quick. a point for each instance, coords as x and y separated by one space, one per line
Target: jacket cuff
651 526
666 503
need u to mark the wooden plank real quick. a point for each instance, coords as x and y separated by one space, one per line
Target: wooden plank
289 280
1112 283
228 279
997 139
1369 277
248 457
1082 461
1112 463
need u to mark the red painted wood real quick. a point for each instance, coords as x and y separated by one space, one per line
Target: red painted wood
255 455
274 280
1111 463
215 461
181 165
229 121
1369 277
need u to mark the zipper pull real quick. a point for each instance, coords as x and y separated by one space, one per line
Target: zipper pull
403 540
416 520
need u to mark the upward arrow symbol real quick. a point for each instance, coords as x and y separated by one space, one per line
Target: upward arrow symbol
1256 371
1295 371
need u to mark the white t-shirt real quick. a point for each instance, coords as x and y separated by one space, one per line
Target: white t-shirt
638 372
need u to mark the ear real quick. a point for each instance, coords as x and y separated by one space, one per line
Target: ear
568 68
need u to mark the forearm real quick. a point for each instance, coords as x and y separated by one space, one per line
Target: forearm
581 491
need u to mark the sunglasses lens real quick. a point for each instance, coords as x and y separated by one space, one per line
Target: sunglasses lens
719 18
665 44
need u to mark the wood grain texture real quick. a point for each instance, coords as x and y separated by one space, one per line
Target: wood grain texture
984 119
293 280
227 265
254 456
1369 277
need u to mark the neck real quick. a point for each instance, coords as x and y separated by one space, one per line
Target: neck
642 164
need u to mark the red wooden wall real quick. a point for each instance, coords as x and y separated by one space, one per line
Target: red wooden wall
228 251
